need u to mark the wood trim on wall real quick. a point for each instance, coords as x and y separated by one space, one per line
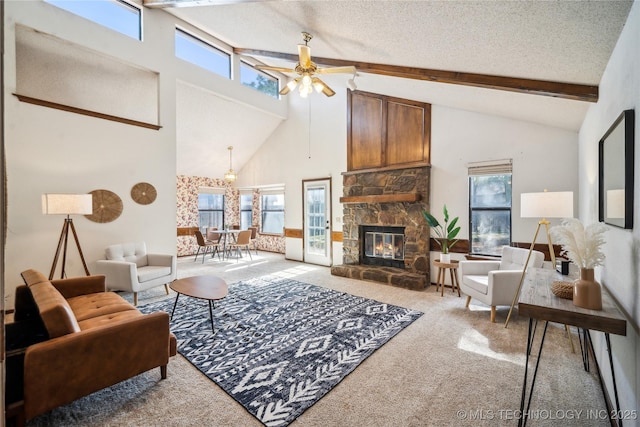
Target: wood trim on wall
462 247
49 104
295 233
541 247
187 231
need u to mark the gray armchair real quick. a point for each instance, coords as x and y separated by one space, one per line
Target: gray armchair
128 267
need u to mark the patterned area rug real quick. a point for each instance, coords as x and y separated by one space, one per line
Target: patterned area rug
279 344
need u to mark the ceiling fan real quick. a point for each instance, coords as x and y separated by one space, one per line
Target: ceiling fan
307 69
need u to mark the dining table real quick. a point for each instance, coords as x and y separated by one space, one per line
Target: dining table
224 237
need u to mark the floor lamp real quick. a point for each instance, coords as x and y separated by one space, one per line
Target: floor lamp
543 205
67 204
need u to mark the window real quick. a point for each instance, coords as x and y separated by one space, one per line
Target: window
260 81
210 211
272 213
115 14
246 212
490 207
202 54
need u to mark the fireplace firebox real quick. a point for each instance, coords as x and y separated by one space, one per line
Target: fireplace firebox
382 246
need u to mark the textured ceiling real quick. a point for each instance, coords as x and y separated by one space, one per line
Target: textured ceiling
562 41
567 41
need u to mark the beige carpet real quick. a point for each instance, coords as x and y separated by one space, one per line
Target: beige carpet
450 367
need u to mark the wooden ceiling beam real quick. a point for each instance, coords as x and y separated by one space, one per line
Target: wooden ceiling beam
577 92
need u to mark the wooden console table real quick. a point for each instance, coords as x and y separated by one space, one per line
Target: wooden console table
538 303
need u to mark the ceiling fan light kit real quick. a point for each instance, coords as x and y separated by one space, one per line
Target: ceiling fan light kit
306 69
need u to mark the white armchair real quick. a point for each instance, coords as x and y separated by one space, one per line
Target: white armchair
128 267
496 282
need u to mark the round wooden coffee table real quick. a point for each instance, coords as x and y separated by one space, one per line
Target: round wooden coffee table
211 288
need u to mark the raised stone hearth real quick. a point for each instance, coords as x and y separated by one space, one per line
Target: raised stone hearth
387 197
389 275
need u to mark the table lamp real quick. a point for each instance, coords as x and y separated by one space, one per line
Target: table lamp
558 204
67 204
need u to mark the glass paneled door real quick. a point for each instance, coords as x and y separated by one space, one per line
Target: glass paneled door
317 221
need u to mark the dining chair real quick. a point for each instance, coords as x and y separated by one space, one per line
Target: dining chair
205 246
242 241
212 236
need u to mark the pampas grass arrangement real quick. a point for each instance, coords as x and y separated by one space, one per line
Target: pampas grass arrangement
582 245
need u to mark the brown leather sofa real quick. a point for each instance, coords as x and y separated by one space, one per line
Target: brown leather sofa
95 339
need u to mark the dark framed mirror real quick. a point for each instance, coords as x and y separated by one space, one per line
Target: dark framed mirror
616 172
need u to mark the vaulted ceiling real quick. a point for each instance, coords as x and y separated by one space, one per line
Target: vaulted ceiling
564 42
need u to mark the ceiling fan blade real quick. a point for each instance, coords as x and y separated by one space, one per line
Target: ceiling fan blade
280 69
304 52
316 82
350 70
285 90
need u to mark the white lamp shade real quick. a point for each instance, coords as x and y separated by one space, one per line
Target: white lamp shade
67 204
615 203
557 204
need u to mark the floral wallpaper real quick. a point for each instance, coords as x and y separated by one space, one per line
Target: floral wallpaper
187 212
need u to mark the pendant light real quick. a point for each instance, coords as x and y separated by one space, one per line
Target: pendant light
230 176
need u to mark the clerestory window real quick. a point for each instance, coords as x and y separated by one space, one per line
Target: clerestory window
259 80
201 53
118 15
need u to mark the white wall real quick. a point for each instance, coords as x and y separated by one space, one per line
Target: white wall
619 90
49 151
310 144
543 157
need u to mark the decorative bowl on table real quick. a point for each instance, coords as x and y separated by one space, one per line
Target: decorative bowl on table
562 289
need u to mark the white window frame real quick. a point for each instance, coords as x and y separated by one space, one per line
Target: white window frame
262 210
196 39
489 168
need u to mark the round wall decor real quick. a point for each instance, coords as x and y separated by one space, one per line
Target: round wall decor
107 206
143 193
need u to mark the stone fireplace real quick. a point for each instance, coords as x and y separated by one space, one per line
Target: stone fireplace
392 199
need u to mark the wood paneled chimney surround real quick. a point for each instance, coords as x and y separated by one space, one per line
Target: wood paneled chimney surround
386 186
383 131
